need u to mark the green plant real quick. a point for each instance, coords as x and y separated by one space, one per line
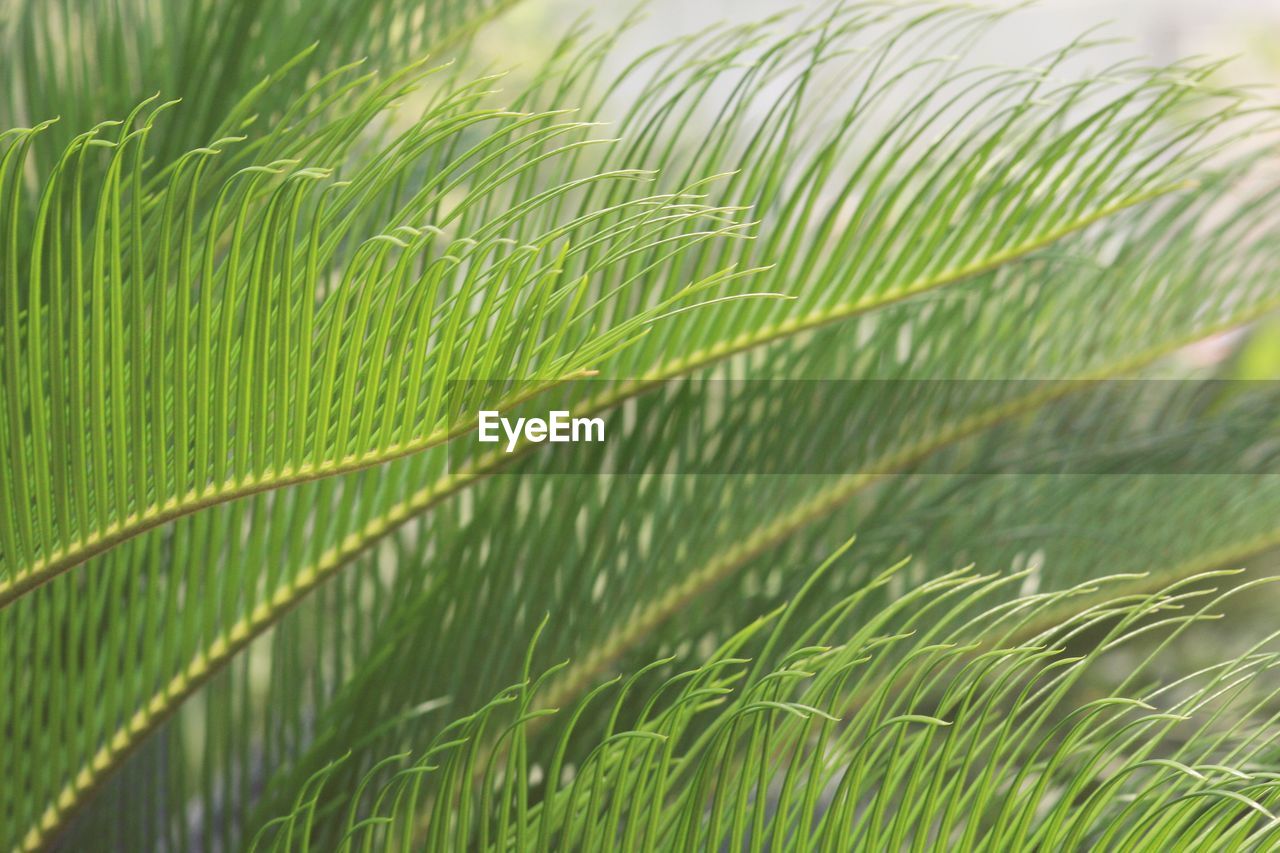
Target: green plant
256 588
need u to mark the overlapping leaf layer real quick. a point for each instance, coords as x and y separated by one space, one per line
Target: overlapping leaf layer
242 560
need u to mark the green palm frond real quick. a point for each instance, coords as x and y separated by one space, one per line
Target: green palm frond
710 539
696 559
91 61
825 273
306 387
968 730
1135 162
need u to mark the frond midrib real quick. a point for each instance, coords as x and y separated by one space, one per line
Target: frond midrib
136 524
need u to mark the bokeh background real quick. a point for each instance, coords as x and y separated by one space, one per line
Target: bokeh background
1245 31
1162 29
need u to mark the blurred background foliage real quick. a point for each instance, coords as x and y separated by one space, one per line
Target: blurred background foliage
379 644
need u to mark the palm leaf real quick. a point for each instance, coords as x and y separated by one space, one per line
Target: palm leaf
92 60
248 412
769 749
303 393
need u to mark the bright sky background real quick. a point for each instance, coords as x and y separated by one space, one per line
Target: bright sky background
1161 29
